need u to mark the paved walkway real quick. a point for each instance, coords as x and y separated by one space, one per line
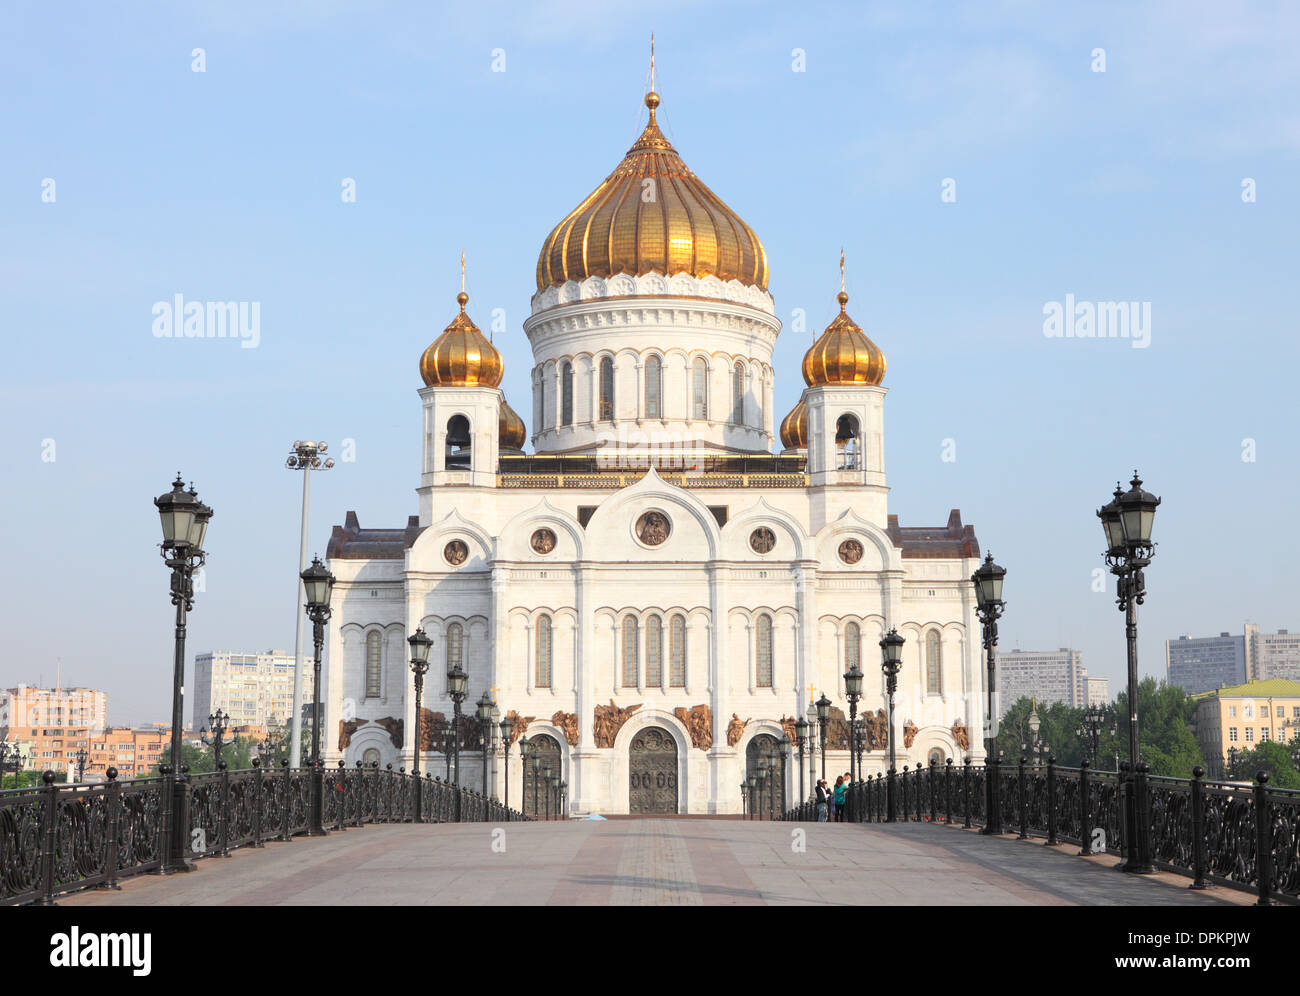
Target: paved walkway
658 862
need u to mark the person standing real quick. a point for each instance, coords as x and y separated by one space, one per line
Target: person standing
837 800
823 798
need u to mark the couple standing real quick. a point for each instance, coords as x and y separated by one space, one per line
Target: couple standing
830 801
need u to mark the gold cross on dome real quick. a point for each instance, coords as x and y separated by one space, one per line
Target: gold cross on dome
494 691
841 270
462 271
652 60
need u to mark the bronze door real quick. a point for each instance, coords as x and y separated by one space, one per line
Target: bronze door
537 789
768 796
652 773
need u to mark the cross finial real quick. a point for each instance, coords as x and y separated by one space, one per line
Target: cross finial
462 271
652 60
494 691
841 269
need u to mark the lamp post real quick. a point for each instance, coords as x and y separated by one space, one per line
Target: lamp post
7 750
784 747
812 746
184 525
484 714
823 720
268 750
853 689
564 798
752 779
304 455
537 771
891 661
801 736
420 643
506 726
859 743
457 688
546 786
555 791
1233 754
218 722
317 582
1127 520
989 606
523 778
81 764
1089 731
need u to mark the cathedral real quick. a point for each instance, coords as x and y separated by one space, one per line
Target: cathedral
665 583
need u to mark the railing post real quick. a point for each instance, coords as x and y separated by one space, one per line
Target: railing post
223 831
257 802
1198 829
286 816
1051 802
965 788
1263 840
1024 802
1085 810
341 823
50 819
947 791
113 802
934 813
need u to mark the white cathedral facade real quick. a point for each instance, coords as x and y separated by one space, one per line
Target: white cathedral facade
653 595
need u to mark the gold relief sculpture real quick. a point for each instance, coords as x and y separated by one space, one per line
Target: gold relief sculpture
787 724
543 541
608 720
762 540
394 727
456 552
909 734
698 721
653 528
735 730
567 722
520 725
877 730
851 551
346 729
961 734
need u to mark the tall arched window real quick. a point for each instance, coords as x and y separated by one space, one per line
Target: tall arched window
933 662
763 652
653 387
455 648
543 670
699 388
654 652
852 647
606 413
566 393
458 442
631 653
738 394
677 652
548 400
374 663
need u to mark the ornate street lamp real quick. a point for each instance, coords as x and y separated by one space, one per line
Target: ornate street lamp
523 778
184 522
81 764
218 722
784 747
853 689
317 582
1127 520
555 791
304 455
989 607
537 772
564 798
1089 731
420 643
507 726
457 688
1233 754
891 662
801 727
484 714
823 719
752 779
546 785
268 750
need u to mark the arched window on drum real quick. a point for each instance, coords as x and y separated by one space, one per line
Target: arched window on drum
763 652
543 669
653 387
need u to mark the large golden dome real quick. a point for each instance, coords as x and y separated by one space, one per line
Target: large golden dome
462 356
843 354
675 224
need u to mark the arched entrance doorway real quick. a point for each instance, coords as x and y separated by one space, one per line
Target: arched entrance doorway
652 773
543 756
768 795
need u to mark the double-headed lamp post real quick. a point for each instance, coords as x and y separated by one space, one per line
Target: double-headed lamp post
184 525
1127 520
420 644
317 582
218 722
484 714
1089 731
457 688
801 727
507 726
523 777
891 662
823 706
989 606
81 764
853 689
784 747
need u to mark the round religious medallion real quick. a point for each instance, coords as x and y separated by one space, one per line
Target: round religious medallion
456 552
543 541
762 539
850 551
653 528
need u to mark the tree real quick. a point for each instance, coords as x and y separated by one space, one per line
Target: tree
1164 728
1273 757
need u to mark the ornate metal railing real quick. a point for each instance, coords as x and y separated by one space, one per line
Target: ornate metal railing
61 838
1211 831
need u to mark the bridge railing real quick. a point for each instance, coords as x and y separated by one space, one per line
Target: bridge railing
1242 835
60 838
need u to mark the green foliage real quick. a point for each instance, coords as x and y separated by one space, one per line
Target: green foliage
237 754
1273 757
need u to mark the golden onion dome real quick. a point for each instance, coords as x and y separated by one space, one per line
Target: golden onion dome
671 224
843 354
794 428
510 428
462 356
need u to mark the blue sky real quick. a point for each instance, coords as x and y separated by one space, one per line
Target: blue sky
225 185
